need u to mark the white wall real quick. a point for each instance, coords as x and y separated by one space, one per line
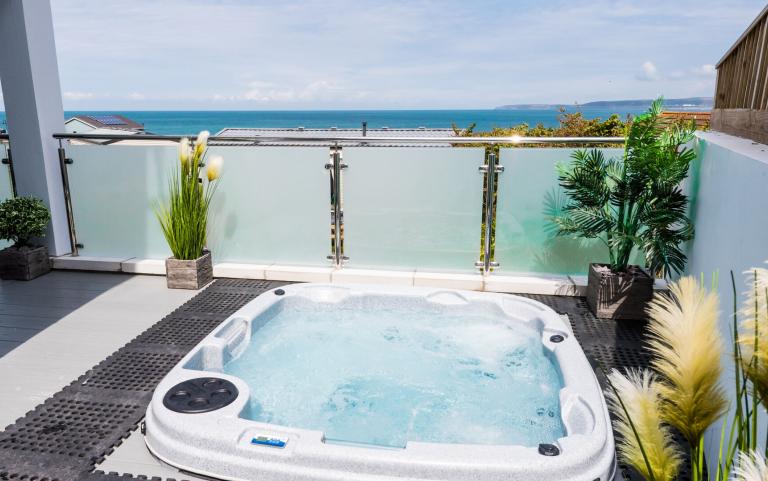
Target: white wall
33 107
730 212
74 126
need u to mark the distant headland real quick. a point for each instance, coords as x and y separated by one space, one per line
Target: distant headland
690 103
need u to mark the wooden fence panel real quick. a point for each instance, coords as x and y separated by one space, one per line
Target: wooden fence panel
741 91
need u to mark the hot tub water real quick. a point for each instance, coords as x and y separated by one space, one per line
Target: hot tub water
386 370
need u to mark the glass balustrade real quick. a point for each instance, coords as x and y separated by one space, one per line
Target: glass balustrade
114 189
412 207
404 208
528 196
271 205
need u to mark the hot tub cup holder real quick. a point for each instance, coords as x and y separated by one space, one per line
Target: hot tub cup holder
200 395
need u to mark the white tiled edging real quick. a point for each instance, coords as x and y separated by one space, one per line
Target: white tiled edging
519 283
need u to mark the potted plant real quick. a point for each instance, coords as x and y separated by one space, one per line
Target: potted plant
631 204
184 218
22 219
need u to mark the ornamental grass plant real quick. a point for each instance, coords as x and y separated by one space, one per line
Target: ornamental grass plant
687 348
754 328
645 441
751 467
184 218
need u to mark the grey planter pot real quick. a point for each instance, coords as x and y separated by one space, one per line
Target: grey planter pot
193 274
24 263
618 295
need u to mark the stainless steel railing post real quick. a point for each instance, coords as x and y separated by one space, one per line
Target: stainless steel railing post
63 162
335 166
8 160
491 169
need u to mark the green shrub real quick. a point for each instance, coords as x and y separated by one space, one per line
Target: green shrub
22 218
570 124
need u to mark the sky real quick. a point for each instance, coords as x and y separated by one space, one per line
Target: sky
392 54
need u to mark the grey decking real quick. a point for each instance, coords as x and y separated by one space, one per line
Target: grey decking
55 327
27 308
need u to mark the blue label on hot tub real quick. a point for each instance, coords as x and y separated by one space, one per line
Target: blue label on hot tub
271 442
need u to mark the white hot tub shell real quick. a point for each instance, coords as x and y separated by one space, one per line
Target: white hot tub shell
220 443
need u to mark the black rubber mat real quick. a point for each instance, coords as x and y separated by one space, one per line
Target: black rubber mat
609 344
63 438
66 436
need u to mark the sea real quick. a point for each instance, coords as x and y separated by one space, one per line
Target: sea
191 122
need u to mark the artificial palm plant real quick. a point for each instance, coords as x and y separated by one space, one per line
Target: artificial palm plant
636 201
184 219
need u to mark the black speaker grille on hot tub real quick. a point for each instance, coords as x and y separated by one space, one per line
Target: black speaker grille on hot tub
200 395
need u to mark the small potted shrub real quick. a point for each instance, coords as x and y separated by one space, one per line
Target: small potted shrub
184 219
632 204
22 219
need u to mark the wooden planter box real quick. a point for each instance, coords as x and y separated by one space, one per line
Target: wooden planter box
24 263
192 274
618 295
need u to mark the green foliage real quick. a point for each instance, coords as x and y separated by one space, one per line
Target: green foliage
23 218
184 219
570 125
636 201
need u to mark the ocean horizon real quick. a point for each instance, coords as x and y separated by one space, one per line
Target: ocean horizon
192 121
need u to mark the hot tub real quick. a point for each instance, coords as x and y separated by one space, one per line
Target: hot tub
332 382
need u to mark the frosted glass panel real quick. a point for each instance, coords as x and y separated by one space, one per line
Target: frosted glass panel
272 206
528 195
413 207
113 190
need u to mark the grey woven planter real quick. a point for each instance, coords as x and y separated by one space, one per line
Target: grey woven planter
192 274
24 263
618 295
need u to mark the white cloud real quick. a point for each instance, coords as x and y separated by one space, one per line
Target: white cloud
649 73
320 91
136 96
304 54
77 95
706 70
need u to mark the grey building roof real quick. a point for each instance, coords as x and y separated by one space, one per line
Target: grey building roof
331 133
109 121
